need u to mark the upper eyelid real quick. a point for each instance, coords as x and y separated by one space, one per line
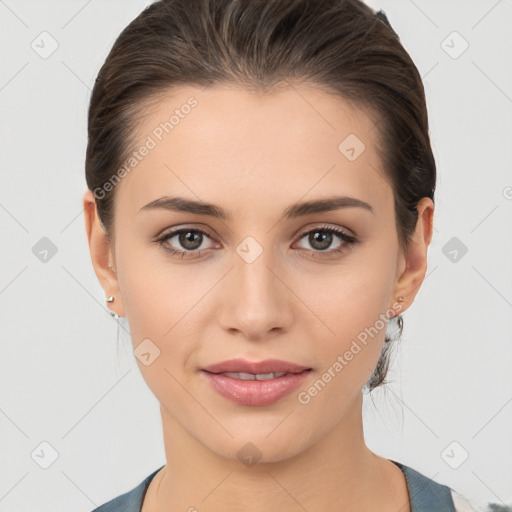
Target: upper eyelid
325 226
176 231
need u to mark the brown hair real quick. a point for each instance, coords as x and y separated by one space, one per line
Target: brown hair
341 46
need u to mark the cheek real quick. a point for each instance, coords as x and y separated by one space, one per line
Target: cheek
159 302
350 305
351 297
159 295
164 303
347 351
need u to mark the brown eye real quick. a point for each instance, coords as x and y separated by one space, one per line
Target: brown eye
322 238
187 243
189 239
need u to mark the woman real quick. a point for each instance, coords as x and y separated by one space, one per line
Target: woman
259 207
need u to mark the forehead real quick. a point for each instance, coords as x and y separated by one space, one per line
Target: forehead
223 142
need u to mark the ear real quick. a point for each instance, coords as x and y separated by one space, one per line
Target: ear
101 254
413 264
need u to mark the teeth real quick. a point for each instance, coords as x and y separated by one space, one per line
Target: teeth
252 376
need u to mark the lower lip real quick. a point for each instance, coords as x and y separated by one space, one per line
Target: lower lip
256 392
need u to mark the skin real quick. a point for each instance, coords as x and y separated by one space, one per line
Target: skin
254 155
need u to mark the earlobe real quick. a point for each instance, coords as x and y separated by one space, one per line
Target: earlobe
415 258
101 252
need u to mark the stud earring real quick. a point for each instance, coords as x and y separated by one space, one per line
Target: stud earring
111 299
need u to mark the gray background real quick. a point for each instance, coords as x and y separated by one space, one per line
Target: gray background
65 380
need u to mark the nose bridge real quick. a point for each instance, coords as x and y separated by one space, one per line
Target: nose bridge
255 279
257 297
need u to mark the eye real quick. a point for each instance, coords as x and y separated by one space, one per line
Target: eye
189 240
321 238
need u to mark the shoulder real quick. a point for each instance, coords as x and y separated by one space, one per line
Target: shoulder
427 495
130 501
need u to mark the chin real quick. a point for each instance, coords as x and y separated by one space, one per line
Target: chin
260 447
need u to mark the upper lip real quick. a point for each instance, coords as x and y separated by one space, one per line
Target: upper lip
266 366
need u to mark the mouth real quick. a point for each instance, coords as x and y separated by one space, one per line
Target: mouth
255 388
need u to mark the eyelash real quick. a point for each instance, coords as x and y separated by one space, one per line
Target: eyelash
348 240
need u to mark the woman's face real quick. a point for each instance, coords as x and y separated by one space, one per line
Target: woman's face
268 280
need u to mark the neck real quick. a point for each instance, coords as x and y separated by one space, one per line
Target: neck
336 473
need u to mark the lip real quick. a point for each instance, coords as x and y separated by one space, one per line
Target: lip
255 392
266 366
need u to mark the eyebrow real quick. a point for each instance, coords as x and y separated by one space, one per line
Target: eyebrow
181 204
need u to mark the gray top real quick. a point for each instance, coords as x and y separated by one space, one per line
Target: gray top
426 495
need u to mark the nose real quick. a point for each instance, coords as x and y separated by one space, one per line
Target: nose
257 302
